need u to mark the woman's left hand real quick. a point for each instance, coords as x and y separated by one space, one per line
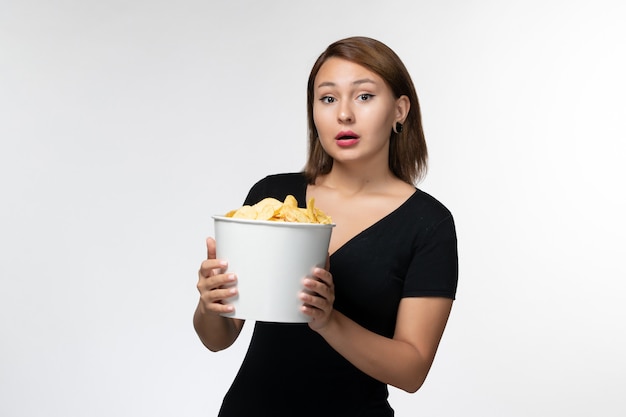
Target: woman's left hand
318 298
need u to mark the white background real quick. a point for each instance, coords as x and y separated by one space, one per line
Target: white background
125 125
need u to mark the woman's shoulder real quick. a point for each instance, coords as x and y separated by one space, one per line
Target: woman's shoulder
282 180
277 186
428 206
427 219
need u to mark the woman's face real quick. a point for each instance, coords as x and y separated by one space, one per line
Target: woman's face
354 112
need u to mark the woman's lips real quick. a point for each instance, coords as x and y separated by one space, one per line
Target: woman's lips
346 138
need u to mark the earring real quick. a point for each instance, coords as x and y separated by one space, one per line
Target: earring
398 127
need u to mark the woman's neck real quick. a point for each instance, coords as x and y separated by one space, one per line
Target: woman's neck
357 181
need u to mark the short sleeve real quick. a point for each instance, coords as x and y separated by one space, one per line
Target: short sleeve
433 270
278 186
256 193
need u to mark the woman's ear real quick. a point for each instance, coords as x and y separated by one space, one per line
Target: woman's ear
403 105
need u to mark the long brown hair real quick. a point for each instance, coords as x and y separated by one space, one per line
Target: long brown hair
408 154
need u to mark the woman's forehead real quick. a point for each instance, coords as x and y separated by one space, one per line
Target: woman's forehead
338 71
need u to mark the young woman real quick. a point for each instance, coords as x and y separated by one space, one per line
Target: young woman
379 311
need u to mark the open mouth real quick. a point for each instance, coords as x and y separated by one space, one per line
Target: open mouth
346 136
347 139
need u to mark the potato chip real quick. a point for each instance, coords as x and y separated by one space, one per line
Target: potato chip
287 211
245 212
293 214
310 210
271 202
290 201
265 212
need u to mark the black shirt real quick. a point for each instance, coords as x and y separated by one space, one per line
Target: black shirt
289 370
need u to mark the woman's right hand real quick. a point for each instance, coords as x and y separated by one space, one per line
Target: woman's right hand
214 284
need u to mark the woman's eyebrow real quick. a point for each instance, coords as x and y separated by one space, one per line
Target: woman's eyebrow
357 82
364 81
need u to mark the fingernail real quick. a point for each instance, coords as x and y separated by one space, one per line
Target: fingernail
231 277
223 263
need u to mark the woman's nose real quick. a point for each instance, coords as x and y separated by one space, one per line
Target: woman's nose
345 114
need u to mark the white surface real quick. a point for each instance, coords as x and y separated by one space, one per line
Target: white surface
271 259
125 125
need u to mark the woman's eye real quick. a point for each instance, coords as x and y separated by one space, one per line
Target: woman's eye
365 97
327 99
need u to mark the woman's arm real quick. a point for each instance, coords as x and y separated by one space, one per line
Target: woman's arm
404 360
215 331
